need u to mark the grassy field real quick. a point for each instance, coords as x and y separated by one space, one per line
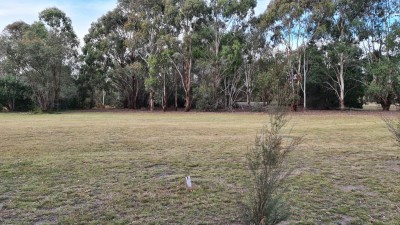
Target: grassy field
130 168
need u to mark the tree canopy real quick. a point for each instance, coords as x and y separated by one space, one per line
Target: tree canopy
208 55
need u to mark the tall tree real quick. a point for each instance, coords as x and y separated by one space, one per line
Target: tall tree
282 19
148 23
342 42
64 44
11 63
43 55
187 14
106 48
379 32
226 17
341 59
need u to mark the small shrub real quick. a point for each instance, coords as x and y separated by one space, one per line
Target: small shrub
203 100
257 107
100 106
268 169
37 110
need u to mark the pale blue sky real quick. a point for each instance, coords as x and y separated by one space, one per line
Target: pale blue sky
81 12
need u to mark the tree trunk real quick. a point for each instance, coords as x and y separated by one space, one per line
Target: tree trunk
294 106
104 96
217 75
385 107
164 98
151 101
187 84
305 81
134 92
298 80
264 100
216 82
386 103
57 88
341 103
126 103
341 82
187 102
248 97
176 94
248 80
92 99
13 104
217 79
165 105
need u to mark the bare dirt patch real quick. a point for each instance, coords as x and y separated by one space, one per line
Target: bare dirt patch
349 188
393 165
345 220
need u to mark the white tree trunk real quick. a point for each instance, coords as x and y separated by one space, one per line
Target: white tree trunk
341 82
305 81
104 96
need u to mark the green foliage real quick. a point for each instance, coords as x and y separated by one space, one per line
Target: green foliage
150 83
215 53
203 98
42 55
322 88
385 83
14 94
37 110
262 87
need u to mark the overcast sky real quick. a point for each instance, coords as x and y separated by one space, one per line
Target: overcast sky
81 12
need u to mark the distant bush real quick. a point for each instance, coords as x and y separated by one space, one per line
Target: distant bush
257 107
37 110
14 95
203 99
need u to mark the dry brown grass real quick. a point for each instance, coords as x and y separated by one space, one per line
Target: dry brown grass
129 167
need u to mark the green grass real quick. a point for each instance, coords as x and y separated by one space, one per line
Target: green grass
129 168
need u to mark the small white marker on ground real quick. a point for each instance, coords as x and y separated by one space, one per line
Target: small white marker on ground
188 182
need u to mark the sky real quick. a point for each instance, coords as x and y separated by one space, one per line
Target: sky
82 12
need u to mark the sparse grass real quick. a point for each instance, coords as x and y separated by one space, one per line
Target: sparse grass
129 168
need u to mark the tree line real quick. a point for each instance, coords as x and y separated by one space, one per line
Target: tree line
207 55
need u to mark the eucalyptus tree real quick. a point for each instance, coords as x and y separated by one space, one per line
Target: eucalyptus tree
342 66
342 38
127 45
233 77
226 17
149 24
161 78
93 72
11 58
257 54
291 25
268 73
11 64
43 55
171 52
379 34
37 70
186 15
313 26
107 54
282 21
64 44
